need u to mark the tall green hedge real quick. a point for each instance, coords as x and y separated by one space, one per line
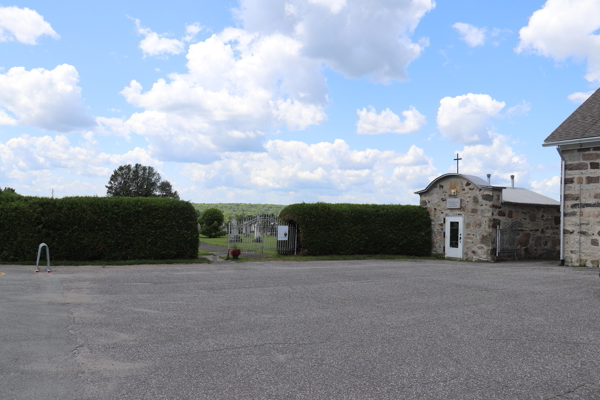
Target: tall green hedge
97 228
329 229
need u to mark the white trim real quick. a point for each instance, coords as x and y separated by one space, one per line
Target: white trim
562 206
572 141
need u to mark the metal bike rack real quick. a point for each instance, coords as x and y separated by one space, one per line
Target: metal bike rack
37 264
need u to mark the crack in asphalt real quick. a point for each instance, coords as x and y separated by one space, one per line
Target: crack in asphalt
575 389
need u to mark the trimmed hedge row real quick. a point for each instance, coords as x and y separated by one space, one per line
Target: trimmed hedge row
343 229
97 228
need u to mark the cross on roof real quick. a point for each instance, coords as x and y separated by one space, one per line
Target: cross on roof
457 160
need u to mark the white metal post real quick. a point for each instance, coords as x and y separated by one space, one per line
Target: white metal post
37 264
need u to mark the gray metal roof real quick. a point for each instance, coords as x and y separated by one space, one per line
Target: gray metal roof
584 122
526 196
475 179
509 195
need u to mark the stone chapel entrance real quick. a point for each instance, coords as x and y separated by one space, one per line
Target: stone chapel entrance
454 236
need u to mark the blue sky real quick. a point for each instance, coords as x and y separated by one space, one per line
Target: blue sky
269 101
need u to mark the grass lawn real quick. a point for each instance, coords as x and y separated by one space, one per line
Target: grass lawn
246 244
219 241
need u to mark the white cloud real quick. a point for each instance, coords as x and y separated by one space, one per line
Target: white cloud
191 31
358 38
371 123
324 168
474 36
580 97
471 35
290 10
521 109
499 35
25 154
23 25
465 119
241 83
563 29
171 137
548 187
155 44
297 115
335 6
90 139
6 119
498 159
238 86
45 99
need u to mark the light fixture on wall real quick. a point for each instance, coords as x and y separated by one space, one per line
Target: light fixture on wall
453 192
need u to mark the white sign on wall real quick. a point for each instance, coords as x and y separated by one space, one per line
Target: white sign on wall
453 203
282 232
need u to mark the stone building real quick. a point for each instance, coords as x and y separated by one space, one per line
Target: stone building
467 213
577 140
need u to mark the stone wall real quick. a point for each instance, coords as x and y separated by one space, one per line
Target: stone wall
479 240
539 229
582 206
483 211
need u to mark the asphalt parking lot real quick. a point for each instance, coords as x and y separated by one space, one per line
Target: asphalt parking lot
310 330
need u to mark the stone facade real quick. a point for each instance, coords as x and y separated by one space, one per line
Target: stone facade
476 208
539 231
582 206
483 210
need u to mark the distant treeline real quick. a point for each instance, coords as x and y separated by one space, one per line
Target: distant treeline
240 209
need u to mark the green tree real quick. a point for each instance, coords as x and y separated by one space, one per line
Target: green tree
211 222
138 181
166 190
9 193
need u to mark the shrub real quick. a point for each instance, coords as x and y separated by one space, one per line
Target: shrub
332 229
211 221
9 194
97 228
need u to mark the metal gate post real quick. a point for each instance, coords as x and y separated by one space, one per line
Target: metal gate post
37 264
497 240
263 234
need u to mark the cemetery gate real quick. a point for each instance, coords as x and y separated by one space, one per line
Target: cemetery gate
506 240
264 233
